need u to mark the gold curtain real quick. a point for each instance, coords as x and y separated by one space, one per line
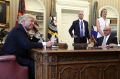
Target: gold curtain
13 12
50 9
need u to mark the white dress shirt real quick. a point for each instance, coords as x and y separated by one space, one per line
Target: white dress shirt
105 40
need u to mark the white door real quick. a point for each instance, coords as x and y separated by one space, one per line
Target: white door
66 22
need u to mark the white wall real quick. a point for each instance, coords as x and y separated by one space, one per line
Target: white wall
34 5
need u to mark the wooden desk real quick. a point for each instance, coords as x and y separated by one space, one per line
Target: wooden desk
77 64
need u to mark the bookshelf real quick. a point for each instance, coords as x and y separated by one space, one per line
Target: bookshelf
113 24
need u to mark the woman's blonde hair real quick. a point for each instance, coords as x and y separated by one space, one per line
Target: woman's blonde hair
102 11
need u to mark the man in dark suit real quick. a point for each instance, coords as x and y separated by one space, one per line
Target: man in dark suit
108 39
81 31
19 43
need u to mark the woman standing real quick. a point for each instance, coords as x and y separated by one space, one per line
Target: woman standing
102 22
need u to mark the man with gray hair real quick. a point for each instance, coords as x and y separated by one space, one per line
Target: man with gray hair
19 43
108 39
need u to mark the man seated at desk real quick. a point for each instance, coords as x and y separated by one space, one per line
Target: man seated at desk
108 40
20 43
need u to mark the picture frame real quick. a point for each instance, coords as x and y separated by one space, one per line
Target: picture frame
4 13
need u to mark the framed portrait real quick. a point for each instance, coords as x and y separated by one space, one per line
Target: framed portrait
4 14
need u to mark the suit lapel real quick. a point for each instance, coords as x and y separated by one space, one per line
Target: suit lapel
102 38
109 40
84 23
23 30
78 26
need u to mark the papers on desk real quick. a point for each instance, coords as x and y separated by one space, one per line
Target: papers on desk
55 47
118 44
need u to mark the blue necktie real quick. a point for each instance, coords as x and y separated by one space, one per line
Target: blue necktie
81 30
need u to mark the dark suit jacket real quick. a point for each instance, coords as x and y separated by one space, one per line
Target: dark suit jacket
19 43
111 39
76 28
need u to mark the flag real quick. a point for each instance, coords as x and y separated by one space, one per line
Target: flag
94 32
52 33
94 13
21 9
52 29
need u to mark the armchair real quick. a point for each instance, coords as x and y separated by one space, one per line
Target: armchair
10 69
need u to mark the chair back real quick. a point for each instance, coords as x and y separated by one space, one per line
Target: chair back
10 69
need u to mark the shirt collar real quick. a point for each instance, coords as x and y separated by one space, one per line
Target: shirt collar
80 20
107 36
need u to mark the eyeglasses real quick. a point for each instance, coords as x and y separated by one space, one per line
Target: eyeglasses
80 14
105 30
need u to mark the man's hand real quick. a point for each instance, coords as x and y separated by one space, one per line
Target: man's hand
49 44
74 36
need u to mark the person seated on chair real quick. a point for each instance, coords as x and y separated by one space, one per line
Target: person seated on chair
19 43
108 40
